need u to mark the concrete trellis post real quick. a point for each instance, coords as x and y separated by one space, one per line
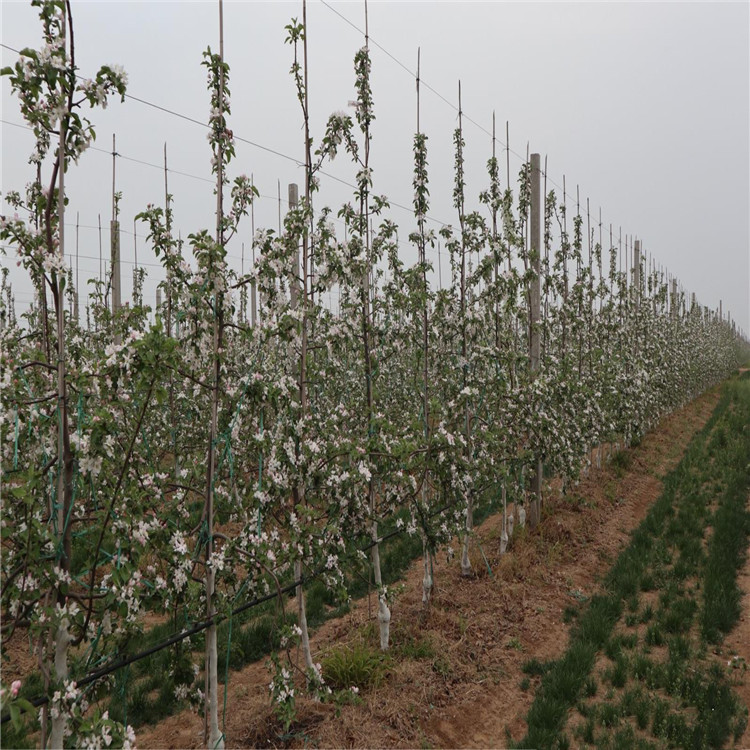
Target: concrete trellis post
114 240
253 298
637 272
75 297
535 233
253 283
114 229
295 280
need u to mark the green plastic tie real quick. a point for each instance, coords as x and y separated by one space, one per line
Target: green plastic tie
484 557
226 661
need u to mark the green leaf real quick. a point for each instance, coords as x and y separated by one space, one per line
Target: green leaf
15 716
24 705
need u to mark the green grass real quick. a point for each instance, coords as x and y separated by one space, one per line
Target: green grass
666 555
359 665
621 462
728 545
535 668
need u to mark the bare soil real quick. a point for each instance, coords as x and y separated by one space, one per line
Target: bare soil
483 629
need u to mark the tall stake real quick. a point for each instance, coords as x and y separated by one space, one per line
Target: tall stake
420 201
535 232
253 283
294 281
298 492
168 220
76 291
114 239
136 295
565 248
494 199
215 736
364 115
100 248
64 454
459 199
545 267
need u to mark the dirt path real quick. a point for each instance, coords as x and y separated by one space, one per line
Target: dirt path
466 691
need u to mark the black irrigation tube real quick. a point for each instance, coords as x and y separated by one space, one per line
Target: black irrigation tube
124 662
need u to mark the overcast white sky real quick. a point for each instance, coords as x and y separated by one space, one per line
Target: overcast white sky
644 105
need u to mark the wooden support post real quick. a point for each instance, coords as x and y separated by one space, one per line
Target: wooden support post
294 282
253 298
76 298
253 283
637 272
114 229
114 240
535 234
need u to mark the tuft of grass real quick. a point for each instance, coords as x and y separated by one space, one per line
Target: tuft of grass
654 635
621 462
590 687
609 714
619 674
559 689
358 665
587 731
642 713
679 616
535 668
413 647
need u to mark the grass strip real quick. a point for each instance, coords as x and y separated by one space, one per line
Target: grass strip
728 545
663 552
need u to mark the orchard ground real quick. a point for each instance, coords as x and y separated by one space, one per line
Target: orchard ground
454 677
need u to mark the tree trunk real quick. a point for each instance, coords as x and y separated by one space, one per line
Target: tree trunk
301 613
384 613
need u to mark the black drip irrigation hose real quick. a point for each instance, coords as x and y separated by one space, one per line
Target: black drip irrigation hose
181 636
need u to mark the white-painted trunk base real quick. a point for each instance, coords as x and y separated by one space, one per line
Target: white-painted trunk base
384 614
62 641
504 532
521 517
503 542
302 617
384 621
427 580
215 735
466 569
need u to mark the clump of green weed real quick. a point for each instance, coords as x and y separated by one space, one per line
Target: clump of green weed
535 668
621 462
358 665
